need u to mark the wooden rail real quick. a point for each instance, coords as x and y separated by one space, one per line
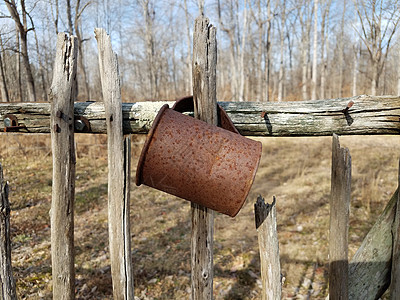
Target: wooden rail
368 115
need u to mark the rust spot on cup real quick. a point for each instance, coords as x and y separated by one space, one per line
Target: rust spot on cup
198 162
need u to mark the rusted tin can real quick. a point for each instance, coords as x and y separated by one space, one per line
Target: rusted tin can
198 162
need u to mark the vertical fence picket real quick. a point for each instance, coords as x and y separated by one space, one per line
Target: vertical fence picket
265 218
339 221
7 282
118 171
205 103
62 95
395 274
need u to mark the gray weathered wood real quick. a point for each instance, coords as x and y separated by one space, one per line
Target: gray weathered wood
118 171
339 221
265 217
395 272
369 269
205 103
368 115
62 145
7 282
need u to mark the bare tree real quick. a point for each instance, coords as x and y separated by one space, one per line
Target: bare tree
3 82
69 18
268 51
189 85
305 21
200 5
18 65
282 36
236 32
81 55
22 28
398 75
260 22
324 66
149 16
379 21
341 52
315 44
356 52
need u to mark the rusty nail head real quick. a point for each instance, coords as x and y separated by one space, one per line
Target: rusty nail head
349 105
263 114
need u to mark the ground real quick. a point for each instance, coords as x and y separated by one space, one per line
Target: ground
295 170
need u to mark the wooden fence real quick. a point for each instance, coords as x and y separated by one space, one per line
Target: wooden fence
362 115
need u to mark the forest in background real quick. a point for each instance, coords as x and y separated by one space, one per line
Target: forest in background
268 50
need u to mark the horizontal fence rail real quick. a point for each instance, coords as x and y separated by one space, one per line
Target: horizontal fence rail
360 115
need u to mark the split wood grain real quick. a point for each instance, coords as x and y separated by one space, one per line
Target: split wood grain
339 221
395 272
205 103
370 267
118 171
368 115
7 282
265 217
62 95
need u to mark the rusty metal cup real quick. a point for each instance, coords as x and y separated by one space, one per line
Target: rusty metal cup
193 160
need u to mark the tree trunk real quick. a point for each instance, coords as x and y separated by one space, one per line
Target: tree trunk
268 52
81 63
69 18
41 70
189 50
304 68
324 66
28 71
315 44
259 74
18 66
374 78
398 74
355 70
242 54
341 52
282 45
63 149
148 14
3 82
22 29
205 109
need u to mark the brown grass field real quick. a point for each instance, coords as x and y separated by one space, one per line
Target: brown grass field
295 170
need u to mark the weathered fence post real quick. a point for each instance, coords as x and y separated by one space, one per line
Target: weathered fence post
395 274
265 217
339 221
118 171
369 270
205 106
7 282
62 96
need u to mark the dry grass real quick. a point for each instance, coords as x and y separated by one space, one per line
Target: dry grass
295 170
